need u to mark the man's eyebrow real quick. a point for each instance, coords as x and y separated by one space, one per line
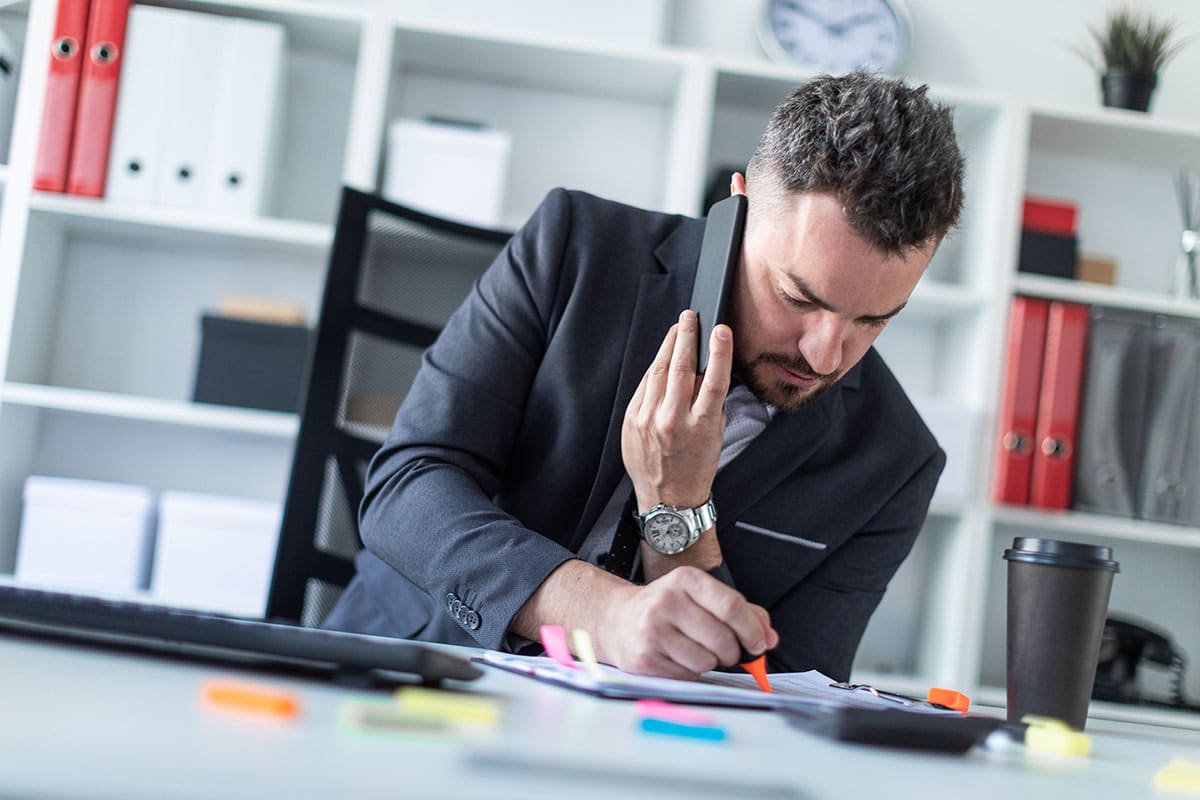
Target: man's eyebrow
803 288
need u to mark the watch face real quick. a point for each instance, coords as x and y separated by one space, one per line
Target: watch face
667 533
837 36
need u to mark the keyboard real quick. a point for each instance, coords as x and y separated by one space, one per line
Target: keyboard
159 628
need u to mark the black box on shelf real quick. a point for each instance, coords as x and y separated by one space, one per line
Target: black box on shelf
252 364
1048 254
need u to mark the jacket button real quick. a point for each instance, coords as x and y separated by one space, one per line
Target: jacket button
450 599
472 620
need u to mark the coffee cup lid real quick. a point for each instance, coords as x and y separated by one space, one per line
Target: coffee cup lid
1061 554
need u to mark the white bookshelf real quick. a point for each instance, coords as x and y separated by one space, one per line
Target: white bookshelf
100 302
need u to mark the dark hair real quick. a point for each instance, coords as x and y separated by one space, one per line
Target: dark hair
881 147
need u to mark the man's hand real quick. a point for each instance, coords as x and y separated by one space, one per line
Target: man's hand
681 625
671 436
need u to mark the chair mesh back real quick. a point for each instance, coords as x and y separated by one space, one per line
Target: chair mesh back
395 276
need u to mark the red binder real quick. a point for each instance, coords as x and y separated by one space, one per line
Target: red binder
97 97
1019 401
1049 216
62 84
1058 406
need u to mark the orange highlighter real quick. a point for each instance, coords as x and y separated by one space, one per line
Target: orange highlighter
757 667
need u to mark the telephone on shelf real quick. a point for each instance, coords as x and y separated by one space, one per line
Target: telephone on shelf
1124 646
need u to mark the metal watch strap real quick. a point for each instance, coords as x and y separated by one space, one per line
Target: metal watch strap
703 516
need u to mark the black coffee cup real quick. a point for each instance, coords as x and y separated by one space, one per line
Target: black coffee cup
1057 603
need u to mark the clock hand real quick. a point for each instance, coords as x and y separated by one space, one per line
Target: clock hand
804 11
840 27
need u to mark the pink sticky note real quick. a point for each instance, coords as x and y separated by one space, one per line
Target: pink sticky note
672 712
554 639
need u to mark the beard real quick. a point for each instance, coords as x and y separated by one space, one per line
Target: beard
782 395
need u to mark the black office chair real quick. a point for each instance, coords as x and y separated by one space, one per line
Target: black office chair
395 275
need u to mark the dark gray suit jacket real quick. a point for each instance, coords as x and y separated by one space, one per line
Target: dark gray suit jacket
508 447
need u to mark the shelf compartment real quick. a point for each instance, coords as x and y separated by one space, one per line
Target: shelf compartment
561 106
1108 296
120 222
272 424
1083 157
80 440
320 64
1081 523
115 306
1156 584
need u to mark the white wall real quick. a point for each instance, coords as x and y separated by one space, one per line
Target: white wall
1015 48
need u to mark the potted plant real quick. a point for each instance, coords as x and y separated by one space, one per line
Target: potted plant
1133 46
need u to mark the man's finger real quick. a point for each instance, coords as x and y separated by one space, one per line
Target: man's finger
710 399
654 381
728 606
681 379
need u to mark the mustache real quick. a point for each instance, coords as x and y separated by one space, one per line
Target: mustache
798 364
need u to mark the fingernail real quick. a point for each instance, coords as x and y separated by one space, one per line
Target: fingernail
723 333
759 648
687 314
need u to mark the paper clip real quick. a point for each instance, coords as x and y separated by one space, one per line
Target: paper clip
902 699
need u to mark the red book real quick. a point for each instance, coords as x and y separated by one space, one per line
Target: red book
62 85
1058 406
1049 216
97 97
1019 400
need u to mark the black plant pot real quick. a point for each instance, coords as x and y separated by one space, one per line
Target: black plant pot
1127 90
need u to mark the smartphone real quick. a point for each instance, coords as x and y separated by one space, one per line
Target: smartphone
719 254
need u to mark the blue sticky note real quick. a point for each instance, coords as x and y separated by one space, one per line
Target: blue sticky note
708 733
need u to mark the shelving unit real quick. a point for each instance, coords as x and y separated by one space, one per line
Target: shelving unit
100 302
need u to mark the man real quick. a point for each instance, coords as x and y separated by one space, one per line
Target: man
563 396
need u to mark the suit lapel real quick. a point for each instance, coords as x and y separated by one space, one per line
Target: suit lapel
660 299
661 296
788 441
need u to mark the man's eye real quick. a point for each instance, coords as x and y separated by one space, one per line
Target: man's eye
798 302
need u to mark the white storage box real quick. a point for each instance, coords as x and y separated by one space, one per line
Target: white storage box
215 553
88 535
449 170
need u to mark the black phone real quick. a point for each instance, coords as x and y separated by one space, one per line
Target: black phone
719 254
1125 646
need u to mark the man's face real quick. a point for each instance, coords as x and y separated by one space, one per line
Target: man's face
811 297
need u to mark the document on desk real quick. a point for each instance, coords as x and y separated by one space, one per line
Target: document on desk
789 689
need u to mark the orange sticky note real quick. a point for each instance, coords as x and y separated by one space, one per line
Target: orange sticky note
758 668
255 699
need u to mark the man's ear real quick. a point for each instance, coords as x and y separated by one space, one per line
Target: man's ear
737 184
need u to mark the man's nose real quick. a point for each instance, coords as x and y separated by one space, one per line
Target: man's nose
821 345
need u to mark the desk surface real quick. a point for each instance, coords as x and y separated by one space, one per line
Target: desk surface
82 722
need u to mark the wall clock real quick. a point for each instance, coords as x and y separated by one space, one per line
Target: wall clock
837 36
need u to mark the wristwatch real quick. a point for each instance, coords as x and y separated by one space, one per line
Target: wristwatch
671 530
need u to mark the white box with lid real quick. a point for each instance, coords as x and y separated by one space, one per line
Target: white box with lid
88 535
214 552
449 169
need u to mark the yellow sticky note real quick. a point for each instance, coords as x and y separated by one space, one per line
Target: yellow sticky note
1179 775
1053 736
586 653
448 706
383 717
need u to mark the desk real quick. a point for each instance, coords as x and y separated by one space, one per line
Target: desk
82 722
